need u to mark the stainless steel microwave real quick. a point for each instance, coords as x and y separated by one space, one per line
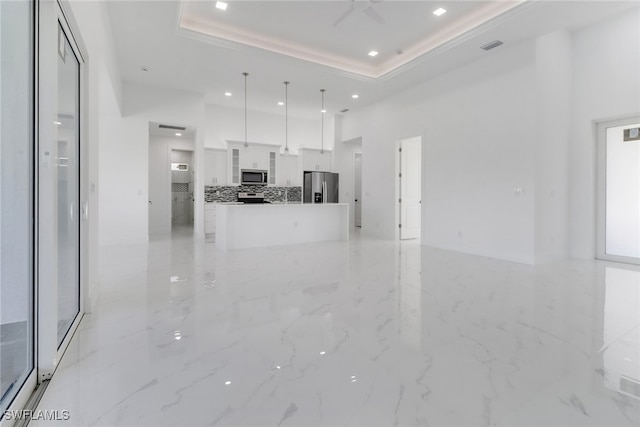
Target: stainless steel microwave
254 177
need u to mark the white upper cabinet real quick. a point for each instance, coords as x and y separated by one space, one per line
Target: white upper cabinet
215 166
255 156
220 167
312 159
208 167
289 174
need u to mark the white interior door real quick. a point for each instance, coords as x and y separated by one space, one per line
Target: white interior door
357 211
410 187
619 191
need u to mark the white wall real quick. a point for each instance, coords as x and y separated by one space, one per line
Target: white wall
123 180
124 159
477 125
160 180
520 118
228 124
606 85
553 121
344 164
103 94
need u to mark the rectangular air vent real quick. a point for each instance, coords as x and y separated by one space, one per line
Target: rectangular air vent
630 386
491 45
172 127
344 111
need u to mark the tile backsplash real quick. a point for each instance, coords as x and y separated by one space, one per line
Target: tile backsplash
214 193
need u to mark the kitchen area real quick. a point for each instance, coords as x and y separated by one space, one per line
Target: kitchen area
255 196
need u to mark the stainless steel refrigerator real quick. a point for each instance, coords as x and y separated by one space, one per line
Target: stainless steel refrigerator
320 187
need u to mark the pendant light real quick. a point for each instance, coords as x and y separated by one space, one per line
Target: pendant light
322 111
286 119
246 143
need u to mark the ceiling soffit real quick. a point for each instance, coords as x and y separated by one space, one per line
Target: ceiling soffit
196 26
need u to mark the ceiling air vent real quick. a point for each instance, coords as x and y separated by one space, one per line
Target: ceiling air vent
344 111
172 127
630 386
491 45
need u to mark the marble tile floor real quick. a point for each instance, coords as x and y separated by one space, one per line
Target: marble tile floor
358 333
14 359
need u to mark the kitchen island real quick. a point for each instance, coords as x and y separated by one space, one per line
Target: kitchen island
240 226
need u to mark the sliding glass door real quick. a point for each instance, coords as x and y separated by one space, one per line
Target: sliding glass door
16 198
618 195
68 184
40 195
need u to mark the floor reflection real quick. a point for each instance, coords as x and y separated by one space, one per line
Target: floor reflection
621 334
365 333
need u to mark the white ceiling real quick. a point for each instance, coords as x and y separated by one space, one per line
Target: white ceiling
314 30
153 34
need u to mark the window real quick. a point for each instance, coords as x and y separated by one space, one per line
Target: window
16 198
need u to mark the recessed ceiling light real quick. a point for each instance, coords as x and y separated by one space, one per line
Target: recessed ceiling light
373 53
355 96
221 5
439 11
57 123
281 103
227 94
323 111
178 134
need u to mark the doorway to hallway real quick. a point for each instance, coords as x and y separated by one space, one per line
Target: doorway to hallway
171 178
181 189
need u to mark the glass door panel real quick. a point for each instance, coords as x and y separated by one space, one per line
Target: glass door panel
16 198
623 191
68 185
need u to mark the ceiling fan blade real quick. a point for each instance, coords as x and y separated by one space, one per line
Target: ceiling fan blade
371 13
348 12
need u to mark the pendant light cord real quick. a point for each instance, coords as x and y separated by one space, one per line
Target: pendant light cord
246 144
286 118
322 125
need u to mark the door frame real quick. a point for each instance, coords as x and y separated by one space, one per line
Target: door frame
49 353
27 388
600 128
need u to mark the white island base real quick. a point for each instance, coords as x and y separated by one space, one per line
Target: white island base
258 225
